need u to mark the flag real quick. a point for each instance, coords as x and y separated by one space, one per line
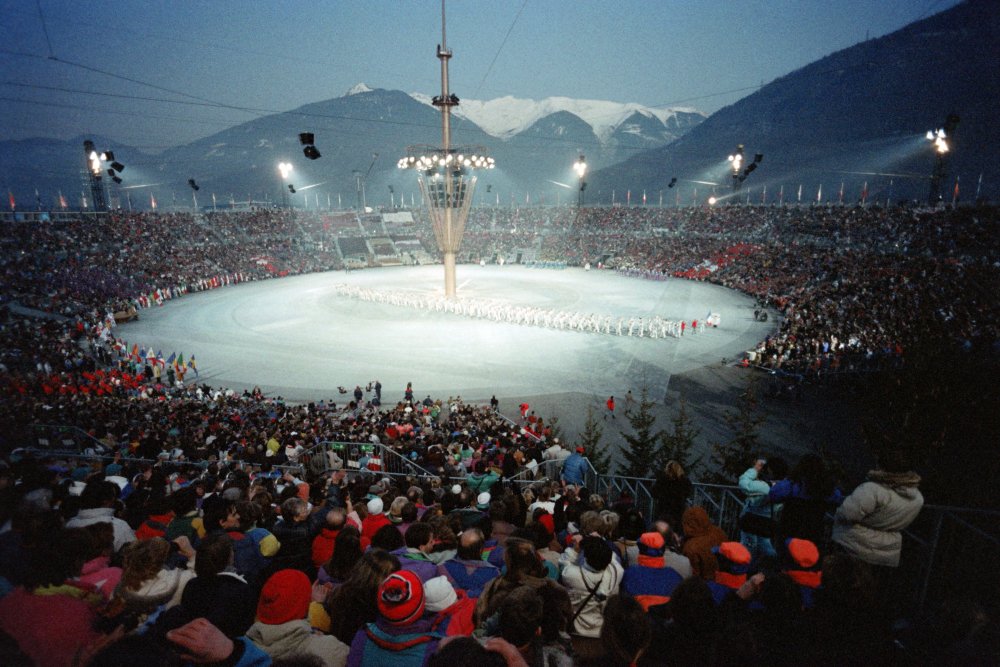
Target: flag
781 194
979 186
192 365
763 196
135 351
62 201
158 357
864 193
840 196
643 197
800 192
180 361
152 201
819 193
954 196
171 359
628 198
13 204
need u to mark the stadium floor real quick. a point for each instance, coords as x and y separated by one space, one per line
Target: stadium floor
298 339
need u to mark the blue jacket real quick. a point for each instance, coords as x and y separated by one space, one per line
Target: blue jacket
574 469
382 645
469 575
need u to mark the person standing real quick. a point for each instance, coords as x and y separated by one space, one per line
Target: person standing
610 403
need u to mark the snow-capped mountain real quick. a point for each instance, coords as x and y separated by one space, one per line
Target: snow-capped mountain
506 117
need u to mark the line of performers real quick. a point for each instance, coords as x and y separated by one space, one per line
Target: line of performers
498 311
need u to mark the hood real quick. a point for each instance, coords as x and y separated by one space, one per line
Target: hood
695 521
903 483
281 639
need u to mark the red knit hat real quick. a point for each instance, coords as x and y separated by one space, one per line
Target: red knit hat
802 552
401 598
549 522
285 597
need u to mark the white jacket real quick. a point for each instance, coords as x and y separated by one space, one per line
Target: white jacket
868 524
579 582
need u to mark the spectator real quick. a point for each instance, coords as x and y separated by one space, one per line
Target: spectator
671 491
574 468
401 635
869 524
281 629
591 576
50 621
97 505
649 580
468 571
353 604
700 536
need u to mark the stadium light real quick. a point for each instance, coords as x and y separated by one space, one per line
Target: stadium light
940 140
712 200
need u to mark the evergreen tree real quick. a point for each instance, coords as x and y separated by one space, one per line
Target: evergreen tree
730 459
642 446
679 443
590 440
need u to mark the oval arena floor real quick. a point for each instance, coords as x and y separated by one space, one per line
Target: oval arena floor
296 338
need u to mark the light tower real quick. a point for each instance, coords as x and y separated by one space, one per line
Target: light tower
580 167
445 174
940 138
94 180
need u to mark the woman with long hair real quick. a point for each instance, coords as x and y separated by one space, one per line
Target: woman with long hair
150 578
354 603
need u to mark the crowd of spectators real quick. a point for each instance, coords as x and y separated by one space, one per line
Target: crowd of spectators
204 522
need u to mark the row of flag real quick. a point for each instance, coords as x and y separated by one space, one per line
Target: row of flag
176 361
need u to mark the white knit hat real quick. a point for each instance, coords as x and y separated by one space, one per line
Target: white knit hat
439 594
375 506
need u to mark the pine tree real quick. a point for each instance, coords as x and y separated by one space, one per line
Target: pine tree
642 446
590 440
678 443
730 459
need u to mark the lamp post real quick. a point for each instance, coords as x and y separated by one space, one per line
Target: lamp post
580 167
445 176
285 168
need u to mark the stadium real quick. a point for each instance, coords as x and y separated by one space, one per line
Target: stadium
443 430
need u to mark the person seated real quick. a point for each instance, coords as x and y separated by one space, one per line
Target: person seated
733 564
650 581
282 630
802 564
218 593
49 618
700 536
468 571
402 634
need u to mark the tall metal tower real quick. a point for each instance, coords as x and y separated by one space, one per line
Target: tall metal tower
445 176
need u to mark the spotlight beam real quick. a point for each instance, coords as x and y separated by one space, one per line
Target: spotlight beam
562 185
314 185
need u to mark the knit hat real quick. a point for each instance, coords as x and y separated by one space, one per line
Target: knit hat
285 597
456 489
802 553
651 550
734 563
439 593
483 500
375 506
580 450
802 562
549 522
401 598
